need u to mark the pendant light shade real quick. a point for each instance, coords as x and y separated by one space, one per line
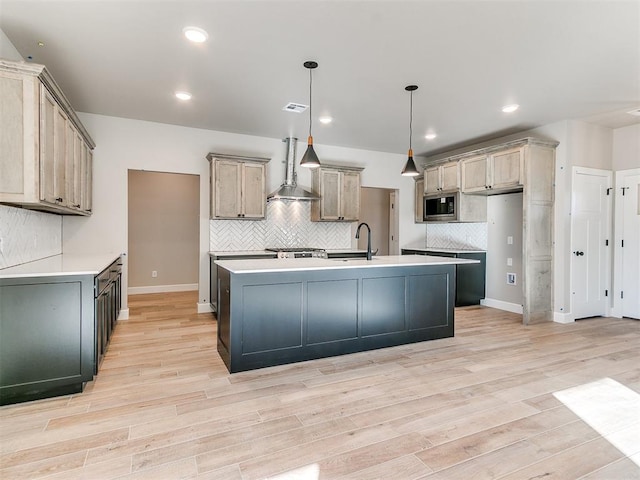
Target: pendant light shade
310 159
410 169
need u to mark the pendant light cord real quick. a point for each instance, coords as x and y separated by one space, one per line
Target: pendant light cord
411 119
310 116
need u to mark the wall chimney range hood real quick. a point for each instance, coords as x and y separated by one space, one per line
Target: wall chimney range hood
289 190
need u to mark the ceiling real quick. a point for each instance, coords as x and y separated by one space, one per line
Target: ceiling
557 59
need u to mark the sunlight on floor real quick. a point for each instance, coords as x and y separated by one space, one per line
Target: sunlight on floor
308 472
611 409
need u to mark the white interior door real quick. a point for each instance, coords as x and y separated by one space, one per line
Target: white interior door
590 228
630 251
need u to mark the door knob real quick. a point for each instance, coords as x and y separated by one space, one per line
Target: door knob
578 253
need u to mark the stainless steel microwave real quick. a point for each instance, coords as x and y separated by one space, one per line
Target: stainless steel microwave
441 207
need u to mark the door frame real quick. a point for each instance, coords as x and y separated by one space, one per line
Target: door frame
608 234
616 310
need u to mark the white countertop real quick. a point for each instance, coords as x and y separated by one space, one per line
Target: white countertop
269 265
422 248
239 253
61 265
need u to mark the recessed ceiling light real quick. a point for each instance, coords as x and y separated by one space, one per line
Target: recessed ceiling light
41 44
195 34
183 95
325 120
430 136
510 108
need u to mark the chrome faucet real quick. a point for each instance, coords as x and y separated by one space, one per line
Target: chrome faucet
368 238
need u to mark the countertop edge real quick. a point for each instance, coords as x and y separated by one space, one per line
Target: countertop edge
61 265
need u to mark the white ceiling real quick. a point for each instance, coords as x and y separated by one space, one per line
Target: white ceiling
557 59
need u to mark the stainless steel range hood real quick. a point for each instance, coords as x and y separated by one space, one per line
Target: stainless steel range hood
290 190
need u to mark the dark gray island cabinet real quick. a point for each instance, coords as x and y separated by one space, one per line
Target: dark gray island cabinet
56 318
279 311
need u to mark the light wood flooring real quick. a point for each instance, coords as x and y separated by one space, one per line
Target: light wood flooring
476 406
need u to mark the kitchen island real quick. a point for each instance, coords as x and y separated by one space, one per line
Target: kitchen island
277 311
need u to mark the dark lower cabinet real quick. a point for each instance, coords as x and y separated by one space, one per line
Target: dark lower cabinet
273 318
46 336
470 278
54 331
108 302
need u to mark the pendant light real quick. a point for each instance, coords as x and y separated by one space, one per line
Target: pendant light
310 159
410 169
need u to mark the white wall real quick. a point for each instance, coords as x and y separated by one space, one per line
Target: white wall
626 147
124 144
504 219
7 50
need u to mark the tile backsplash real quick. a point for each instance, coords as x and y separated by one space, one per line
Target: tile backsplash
457 235
287 224
26 235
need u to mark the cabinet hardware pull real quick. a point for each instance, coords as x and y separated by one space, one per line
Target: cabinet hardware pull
59 199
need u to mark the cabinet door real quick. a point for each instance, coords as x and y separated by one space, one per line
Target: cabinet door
350 196
449 177
47 147
432 180
506 168
228 189
253 190
87 178
72 165
330 195
474 174
419 203
12 126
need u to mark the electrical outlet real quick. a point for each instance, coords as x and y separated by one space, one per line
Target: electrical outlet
511 278
154 274
509 262
509 240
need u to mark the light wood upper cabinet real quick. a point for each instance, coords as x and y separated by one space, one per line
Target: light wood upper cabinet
526 165
339 191
442 178
40 143
497 172
238 187
419 202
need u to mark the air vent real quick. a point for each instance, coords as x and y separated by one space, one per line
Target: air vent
295 107
635 112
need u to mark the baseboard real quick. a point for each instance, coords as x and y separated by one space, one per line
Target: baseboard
563 317
124 314
500 305
185 287
204 308
615 313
